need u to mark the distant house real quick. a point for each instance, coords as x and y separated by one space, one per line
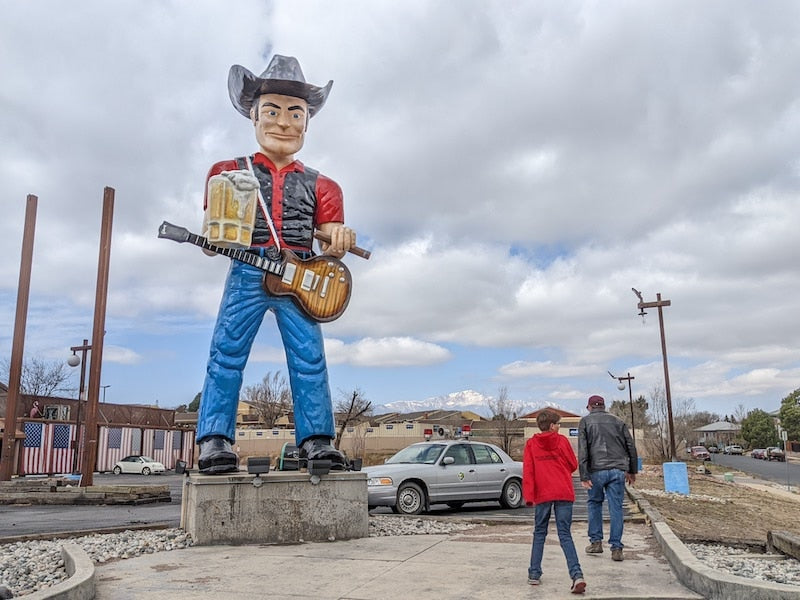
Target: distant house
718 433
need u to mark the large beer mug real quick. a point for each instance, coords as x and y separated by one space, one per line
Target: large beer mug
231 210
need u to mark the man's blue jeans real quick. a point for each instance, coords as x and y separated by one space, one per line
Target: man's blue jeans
244 304
563 511
609 483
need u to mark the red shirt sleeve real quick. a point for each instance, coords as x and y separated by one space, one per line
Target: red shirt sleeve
528 473
330 202
569 455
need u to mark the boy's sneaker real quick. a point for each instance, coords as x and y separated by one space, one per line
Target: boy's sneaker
533 581
594 548
578 586
616 554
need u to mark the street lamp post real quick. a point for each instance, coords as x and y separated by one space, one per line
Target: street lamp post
621 387
74 361
105 387
660 304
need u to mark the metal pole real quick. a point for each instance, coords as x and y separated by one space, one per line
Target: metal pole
18 342
630 395
76 467
101 295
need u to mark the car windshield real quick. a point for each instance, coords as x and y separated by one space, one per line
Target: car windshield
421 454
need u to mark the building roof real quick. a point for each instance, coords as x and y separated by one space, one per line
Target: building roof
719 427
561 413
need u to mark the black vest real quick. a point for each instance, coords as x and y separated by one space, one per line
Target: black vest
299 205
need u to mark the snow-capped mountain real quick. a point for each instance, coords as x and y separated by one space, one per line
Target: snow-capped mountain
464 400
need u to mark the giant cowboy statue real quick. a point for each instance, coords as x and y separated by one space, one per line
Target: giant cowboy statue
294 204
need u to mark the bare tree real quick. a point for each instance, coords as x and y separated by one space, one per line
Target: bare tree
504 413
39 378
271 398
684 421
739 413
351 407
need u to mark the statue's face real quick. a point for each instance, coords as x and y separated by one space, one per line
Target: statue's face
280 124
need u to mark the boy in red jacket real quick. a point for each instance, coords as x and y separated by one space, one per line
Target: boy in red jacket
547 467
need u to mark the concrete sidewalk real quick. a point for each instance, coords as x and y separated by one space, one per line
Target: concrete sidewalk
486 562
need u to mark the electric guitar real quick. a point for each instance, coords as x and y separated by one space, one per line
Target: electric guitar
320 286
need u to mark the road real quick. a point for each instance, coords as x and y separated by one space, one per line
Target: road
775 471
25 520
18 520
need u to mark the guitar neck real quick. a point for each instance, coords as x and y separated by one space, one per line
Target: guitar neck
259 262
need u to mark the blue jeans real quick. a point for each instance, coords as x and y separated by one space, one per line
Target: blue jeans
609 483
244 304
563 510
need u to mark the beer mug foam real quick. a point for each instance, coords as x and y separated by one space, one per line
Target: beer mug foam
230 213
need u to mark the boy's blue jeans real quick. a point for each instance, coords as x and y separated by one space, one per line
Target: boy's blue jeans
563 513
609 483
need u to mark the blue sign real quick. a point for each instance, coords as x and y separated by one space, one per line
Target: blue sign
573 432
676 478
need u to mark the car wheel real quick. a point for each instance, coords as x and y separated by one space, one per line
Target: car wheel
146 471
117 470
410 499
455 505
512 494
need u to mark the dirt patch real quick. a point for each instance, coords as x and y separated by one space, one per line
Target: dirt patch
718 510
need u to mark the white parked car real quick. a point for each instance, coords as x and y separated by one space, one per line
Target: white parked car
138 464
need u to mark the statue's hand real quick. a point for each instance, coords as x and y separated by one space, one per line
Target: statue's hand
342 239
244 181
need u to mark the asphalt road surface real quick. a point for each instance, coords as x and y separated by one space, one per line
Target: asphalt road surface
775 471
18 520
26 520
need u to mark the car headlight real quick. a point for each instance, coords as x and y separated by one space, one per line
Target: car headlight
379 481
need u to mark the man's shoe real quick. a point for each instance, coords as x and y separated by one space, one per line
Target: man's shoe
217 456
616 554
533 581
594 548
320 448
578 586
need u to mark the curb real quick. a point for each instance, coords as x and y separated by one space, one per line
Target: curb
79 585
698 577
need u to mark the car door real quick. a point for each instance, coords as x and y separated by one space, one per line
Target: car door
128 464
458 480
491 471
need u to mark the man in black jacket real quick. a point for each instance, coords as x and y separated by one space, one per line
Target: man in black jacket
607 460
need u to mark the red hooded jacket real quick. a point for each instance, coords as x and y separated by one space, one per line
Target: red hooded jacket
547 467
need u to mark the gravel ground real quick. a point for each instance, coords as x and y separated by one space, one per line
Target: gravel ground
776 568
26 567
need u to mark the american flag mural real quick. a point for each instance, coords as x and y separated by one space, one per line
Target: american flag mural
114 444
47 448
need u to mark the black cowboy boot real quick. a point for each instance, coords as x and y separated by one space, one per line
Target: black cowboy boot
320 448
217 456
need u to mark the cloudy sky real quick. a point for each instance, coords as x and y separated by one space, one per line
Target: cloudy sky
515 168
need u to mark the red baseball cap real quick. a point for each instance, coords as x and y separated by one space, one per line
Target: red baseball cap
596 401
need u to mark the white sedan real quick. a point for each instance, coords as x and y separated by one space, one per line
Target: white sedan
138 464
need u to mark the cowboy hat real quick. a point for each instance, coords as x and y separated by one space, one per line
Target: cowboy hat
282 76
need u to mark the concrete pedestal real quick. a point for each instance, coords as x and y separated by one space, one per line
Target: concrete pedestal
282 507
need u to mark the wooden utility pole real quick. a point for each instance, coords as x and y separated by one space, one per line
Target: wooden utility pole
18 342
660 304
101 295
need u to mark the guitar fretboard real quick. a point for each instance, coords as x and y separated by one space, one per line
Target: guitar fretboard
259 262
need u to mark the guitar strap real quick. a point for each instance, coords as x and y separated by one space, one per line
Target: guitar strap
267 214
